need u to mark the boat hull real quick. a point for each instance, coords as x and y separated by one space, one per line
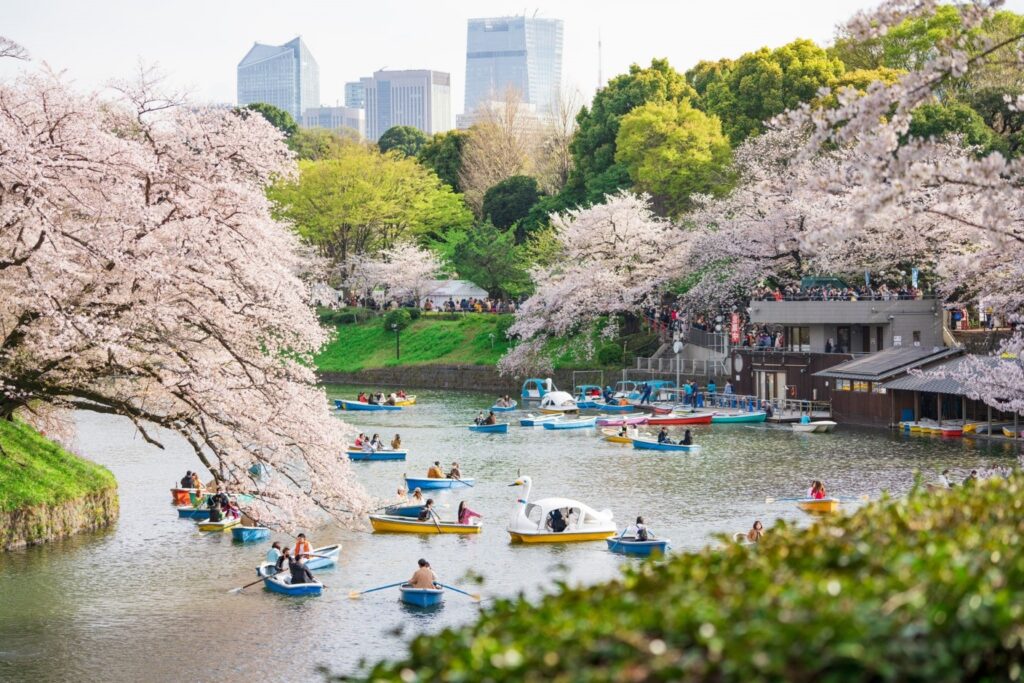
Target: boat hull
422 597
189 512
1010 434
282 585
433 484
500 428
612 436
407 401
570 424
704 419
559 537
619 421
823 506
538 421
250 534
613 408
628 545
376 456
740 418
359 406
651 445
181 497
505 409
223 525
406 525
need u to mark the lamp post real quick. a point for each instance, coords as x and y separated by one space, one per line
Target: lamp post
677 347
398 348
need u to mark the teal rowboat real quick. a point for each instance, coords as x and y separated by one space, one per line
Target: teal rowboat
759 416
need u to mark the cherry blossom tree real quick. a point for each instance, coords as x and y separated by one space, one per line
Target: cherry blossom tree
142 275
401 271
613 259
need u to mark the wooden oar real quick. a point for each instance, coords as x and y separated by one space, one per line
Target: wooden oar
475 596
259 580
782 500
355 594
464 482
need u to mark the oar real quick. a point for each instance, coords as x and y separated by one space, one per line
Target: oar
464 482
475 596
259 580
783 500
356 594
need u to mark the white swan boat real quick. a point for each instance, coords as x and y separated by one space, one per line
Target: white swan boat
558 402
535 522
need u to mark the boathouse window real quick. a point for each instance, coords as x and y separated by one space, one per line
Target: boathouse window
798 338
877 388
842 385
861 385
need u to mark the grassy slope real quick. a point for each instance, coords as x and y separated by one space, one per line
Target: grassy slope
430 339
35 470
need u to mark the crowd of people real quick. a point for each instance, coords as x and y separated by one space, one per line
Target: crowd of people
372 444
835 293
380 399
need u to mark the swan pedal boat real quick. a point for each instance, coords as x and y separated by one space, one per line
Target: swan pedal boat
538 420
497 428
555 402
342 404
653 445
818 506
612 436
681 419
628 545
585 523
282 583
250 534
422 597
407 525
375 456
582 423
759 416
222 525
616 421
328 557
815 427
505 409
425 484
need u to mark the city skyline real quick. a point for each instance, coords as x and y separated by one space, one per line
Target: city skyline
98 42
286 76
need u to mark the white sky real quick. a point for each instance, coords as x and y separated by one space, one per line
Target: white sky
198 43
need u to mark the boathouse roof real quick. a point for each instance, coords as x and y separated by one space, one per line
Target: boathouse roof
886 364
941 378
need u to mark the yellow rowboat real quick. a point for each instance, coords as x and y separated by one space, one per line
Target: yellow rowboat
970 427
408 525
816 506
222 525
612 435
407 401
560 537
1010 434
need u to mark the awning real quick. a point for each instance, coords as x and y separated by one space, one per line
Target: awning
883 365
940 379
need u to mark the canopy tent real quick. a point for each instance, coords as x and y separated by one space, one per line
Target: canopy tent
440 291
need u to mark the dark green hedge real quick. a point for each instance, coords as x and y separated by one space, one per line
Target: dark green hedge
927 588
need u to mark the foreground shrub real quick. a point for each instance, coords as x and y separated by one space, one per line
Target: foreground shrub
930 588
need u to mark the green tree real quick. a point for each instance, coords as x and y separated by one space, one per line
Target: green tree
762 84
362 201
941 120
510 201
595 172
314 144
278 118
490 258
404 139
443 154
672 151
904 47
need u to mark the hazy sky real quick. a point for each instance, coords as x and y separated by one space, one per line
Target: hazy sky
198 43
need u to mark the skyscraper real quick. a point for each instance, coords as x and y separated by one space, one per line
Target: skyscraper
524 53
335 118
355 95
285 76
419 98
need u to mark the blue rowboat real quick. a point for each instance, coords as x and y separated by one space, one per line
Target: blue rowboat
342 404
505 409
653 445
585 423
375 456
411 510
499 428
536 421
628 545
759 416
614 408
422 597
189 512
283 584
250 534
428 484
327 557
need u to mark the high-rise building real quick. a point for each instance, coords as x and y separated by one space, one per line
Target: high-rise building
355 95
285 76
419 98
524 53
336 118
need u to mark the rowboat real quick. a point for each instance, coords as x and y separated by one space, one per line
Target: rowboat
189 512
342 404
323 557
407 525
759 416
537 420
952 431
422 597
653 445
222 525
612 435
282 583
628 545
374 456
504 409
612 421
616 408
818 426
818 506
1010 434
181 496
429 484
404 510
681 419
497 428
983 427
531 521
407 401
250 534
582 423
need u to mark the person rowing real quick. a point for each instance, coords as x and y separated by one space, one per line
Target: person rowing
299 571
663 436
455 472
428 513
423 577
490 419
817 490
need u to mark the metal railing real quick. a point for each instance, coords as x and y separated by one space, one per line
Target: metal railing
781 407
683 366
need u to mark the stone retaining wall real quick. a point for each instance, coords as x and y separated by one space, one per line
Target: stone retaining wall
462 377
44 523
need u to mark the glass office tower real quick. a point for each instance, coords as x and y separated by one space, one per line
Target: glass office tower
285 76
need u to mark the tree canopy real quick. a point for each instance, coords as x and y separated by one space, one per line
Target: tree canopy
490 258
510 201
406 140
313 144
277 117
443 155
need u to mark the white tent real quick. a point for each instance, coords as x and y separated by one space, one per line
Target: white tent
440 291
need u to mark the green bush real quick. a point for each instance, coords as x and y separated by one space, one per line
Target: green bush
414 313
610 354
927 588
399 317
501 326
